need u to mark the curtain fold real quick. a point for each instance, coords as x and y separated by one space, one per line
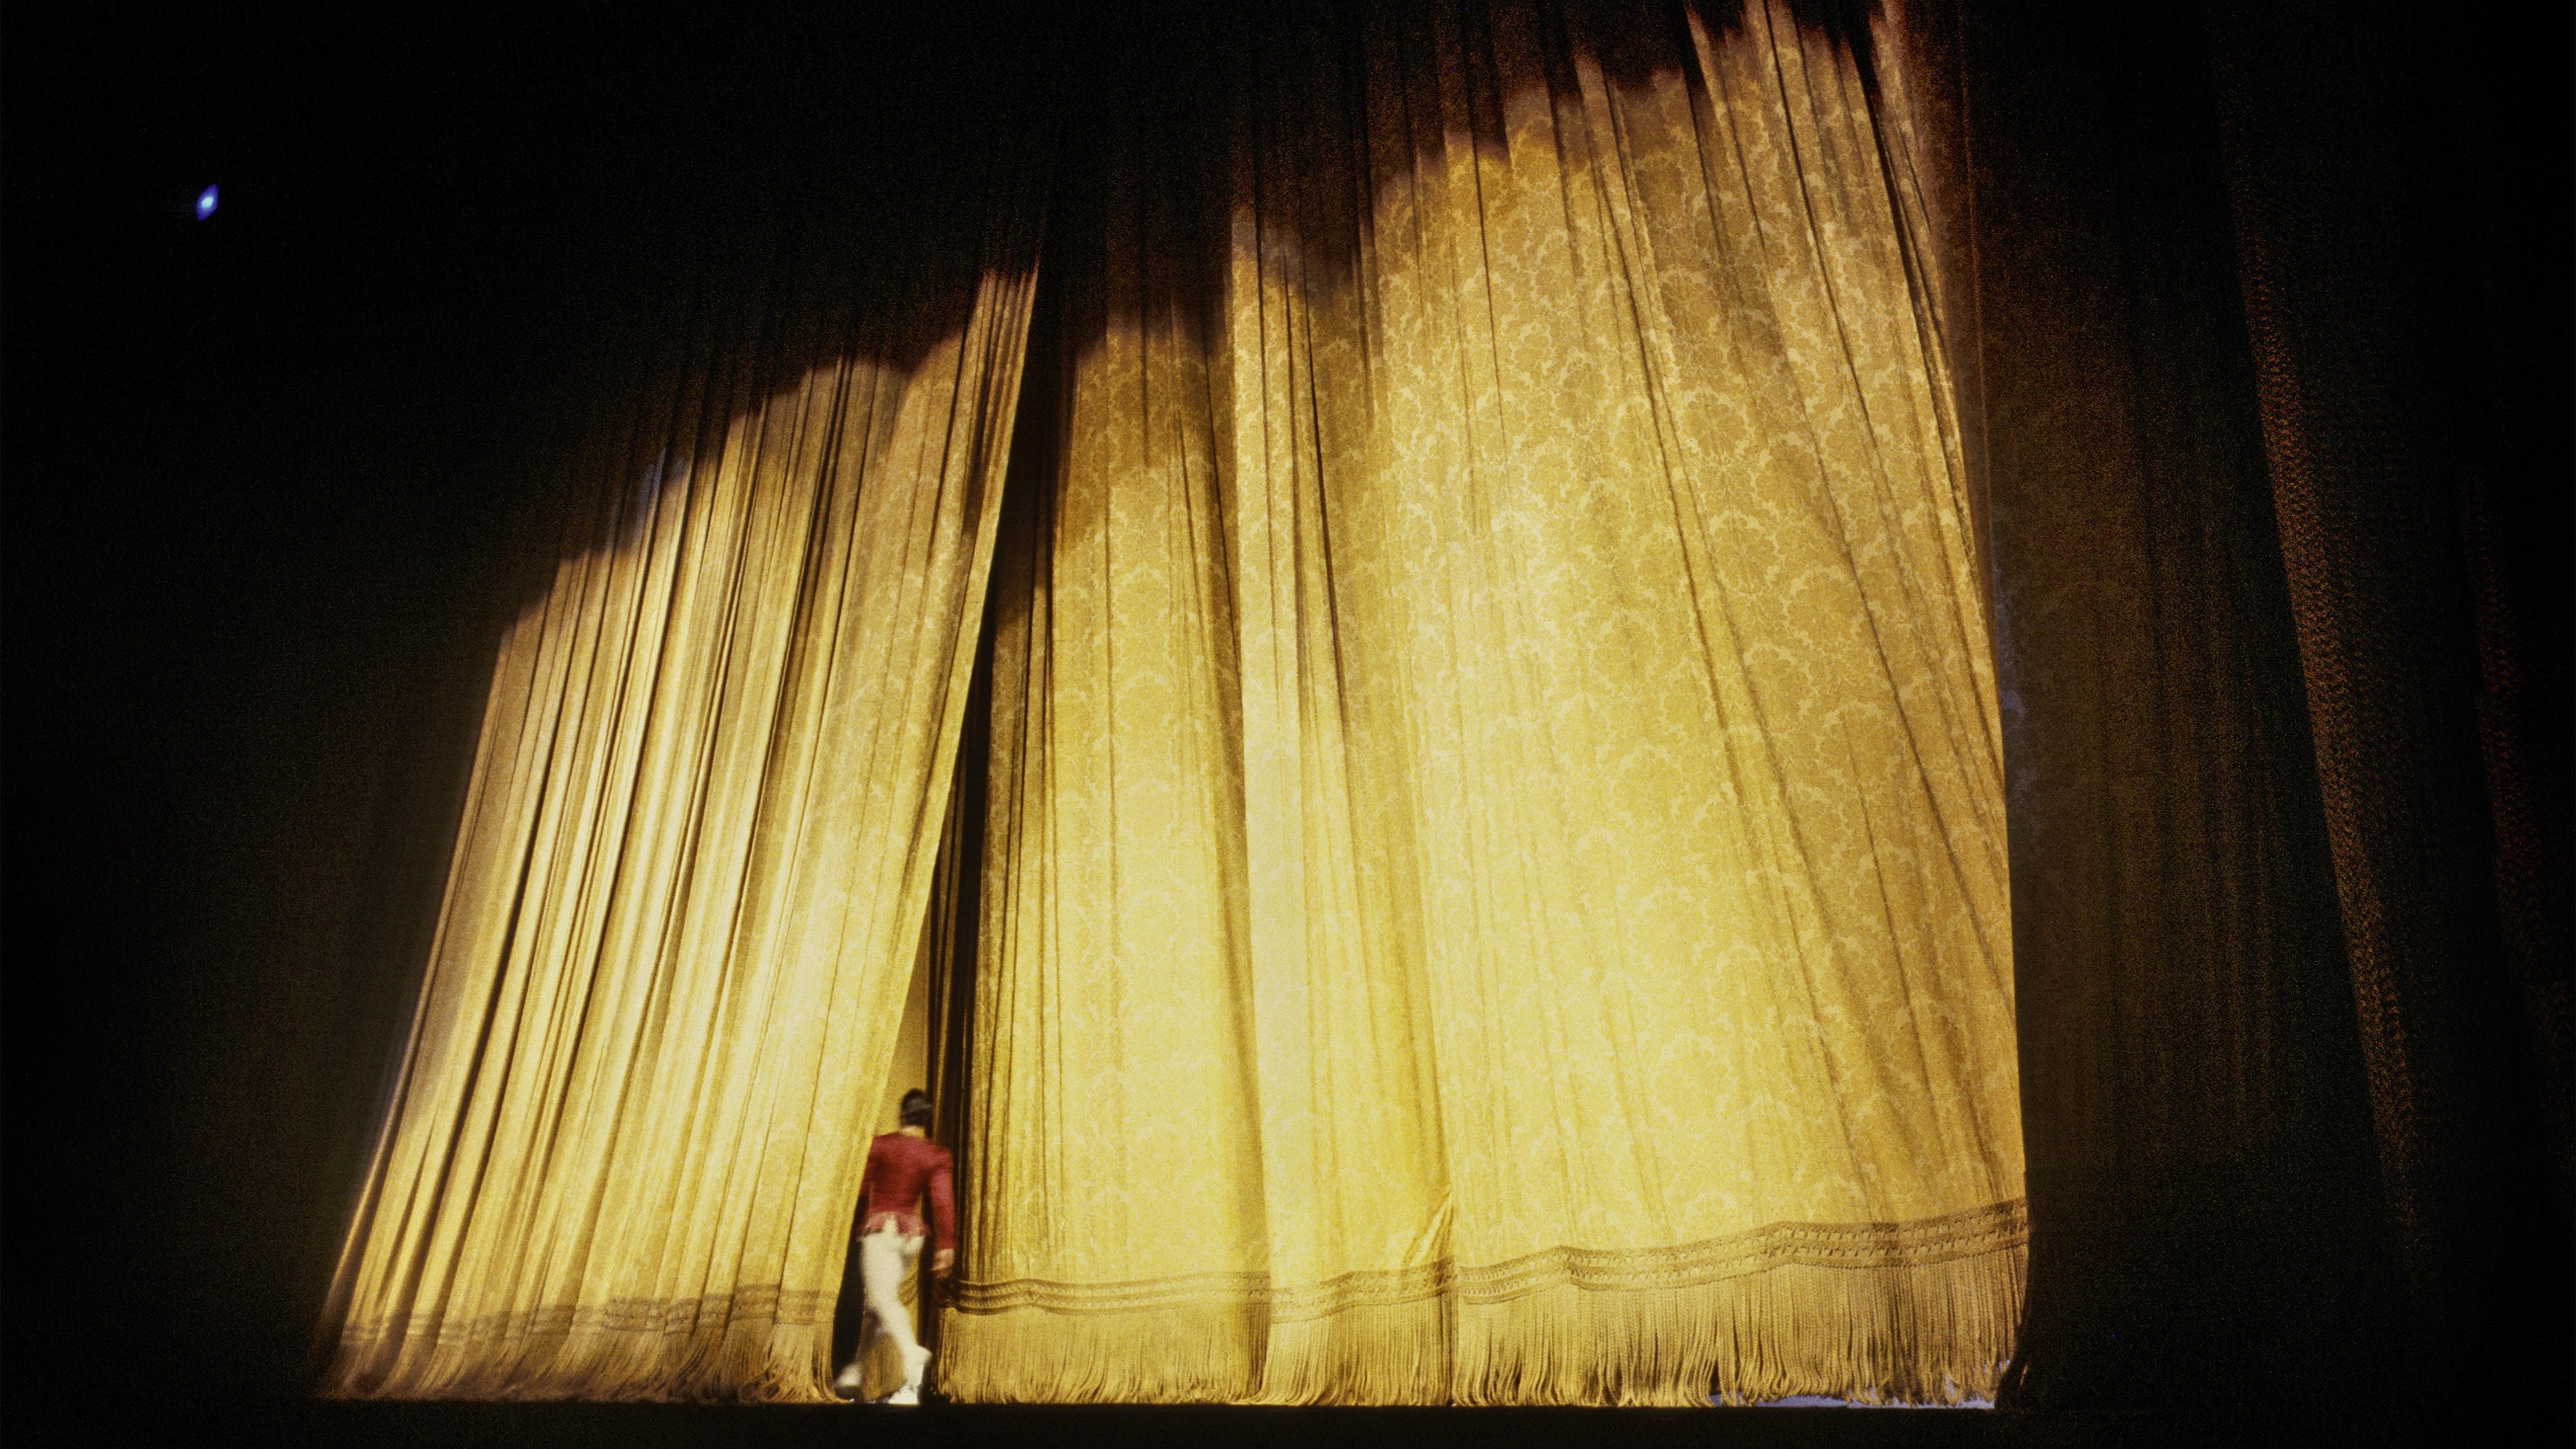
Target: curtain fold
2360 232
1510 590
689 888
1114 1171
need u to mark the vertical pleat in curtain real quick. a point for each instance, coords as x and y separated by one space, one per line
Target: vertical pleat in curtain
1495 883
1114 1173
689 887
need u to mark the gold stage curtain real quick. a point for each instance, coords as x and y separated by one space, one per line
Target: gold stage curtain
689 887
1495 887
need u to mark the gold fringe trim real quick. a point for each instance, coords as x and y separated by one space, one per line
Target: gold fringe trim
1177 1353
1362 1353
756 1345
1917 1312
1920 1312
1938 1332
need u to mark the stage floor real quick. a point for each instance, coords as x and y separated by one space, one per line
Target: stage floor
671 1426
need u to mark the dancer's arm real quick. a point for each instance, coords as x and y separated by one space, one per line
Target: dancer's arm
943 1215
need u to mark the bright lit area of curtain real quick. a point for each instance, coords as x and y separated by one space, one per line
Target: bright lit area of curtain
1494 886
689 886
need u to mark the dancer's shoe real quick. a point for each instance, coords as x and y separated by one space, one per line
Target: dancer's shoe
848 1382
915 1361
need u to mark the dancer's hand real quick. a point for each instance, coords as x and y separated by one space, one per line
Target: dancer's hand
942 1261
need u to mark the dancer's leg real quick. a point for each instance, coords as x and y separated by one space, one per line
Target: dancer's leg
884 1257
853 1373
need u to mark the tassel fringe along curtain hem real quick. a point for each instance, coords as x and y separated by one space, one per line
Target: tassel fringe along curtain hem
1934 1328
721 1347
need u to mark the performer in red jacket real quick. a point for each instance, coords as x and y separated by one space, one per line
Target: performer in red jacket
903 1165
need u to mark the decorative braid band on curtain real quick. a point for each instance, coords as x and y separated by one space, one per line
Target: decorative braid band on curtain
1816 1245
1494 882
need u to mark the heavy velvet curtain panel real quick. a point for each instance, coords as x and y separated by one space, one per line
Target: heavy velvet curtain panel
2274 370
701 830
2193 1089
1494 880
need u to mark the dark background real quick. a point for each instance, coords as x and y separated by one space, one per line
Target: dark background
269 480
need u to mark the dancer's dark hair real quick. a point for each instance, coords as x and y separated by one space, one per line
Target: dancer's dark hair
915 1111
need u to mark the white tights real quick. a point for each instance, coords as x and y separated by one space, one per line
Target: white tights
885 1256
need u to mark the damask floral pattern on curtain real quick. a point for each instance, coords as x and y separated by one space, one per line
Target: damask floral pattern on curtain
1495 877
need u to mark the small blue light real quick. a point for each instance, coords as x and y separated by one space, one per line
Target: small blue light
205 203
